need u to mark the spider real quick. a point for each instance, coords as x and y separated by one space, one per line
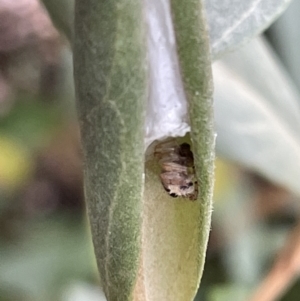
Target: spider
178 173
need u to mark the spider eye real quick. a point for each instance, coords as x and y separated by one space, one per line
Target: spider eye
185 146
173 195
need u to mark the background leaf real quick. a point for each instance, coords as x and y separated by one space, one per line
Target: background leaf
62 13
257 117
284 36
59 246
232 23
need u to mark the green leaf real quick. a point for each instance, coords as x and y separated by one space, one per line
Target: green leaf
110 79
110 83
175 232
173 244
194 58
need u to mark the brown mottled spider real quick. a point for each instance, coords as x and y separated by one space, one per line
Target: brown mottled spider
178 174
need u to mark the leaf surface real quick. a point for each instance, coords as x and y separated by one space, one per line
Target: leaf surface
232 23
175 232
258 117
110 79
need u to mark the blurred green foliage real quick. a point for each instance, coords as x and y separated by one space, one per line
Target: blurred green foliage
43 253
